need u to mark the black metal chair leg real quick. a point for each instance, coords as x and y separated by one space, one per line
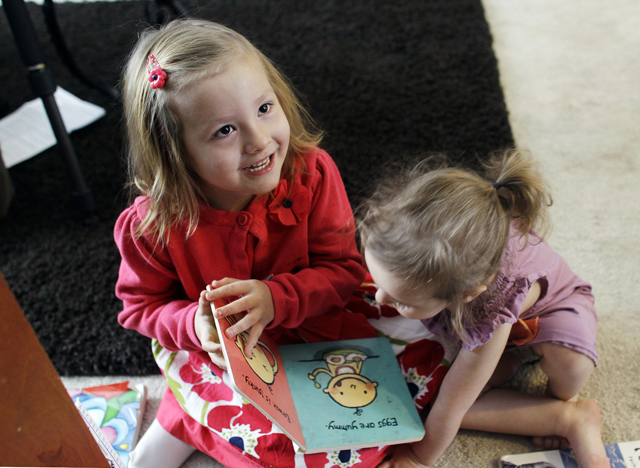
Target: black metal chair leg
66 57
43 86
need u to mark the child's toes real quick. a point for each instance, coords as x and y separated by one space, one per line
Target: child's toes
550 443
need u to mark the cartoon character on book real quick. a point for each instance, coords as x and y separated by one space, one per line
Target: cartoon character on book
262 360
347 387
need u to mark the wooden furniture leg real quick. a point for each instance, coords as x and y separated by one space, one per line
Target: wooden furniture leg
39 424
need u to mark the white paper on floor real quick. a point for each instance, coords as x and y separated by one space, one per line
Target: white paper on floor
27 131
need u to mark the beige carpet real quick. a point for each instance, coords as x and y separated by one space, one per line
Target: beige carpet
570 71
571 75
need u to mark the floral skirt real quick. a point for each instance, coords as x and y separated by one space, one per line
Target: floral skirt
201 408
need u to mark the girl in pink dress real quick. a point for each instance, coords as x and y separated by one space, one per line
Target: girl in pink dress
234 195
460 252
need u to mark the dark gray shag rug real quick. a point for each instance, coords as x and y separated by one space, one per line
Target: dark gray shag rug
386 81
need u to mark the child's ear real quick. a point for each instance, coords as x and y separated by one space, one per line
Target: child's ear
475 292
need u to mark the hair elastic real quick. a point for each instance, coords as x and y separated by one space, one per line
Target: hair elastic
157 75
496 185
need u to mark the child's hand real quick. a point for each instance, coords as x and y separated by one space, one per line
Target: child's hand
254 297
403 457
206 331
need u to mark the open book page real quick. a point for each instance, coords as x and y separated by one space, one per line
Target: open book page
261 379
621 455
325 396
350 394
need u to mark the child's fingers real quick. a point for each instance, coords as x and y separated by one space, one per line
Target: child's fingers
223 282
246 322
403 457
211 340
224 288
203 301
252 340
204 325
211 347
239 305
218 360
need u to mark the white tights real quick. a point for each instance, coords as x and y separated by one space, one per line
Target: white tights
158 448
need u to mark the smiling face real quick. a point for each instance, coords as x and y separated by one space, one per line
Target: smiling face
352 390
392 291
235 133
261 365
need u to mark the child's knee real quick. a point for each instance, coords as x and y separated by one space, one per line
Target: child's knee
565 359
567 369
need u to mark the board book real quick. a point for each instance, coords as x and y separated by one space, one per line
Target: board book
326 396
113 413
621 455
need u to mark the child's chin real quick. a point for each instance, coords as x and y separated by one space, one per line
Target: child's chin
410 315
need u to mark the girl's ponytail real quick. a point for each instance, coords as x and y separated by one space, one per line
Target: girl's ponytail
446 230
521 189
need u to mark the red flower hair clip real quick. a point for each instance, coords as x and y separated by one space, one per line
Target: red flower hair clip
157 75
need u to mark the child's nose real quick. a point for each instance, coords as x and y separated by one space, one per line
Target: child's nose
381 297
258 139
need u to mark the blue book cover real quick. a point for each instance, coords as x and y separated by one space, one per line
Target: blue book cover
350 394
328 396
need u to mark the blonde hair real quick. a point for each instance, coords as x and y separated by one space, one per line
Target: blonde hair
188 51
446 229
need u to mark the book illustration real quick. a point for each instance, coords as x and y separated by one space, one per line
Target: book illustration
348 386
262 361
259 378
325 396
621 455
112 457
116 411
365 376
529 465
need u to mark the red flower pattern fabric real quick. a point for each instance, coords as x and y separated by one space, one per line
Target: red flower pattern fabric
289 206
421 365
205 381
206 394
363 301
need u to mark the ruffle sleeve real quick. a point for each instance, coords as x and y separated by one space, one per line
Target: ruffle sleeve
507 296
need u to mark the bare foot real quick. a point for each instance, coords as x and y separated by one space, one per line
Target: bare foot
550 443
580 424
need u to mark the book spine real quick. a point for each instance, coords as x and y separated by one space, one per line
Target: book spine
112 457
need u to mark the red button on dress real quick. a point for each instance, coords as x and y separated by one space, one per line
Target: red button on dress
243 219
